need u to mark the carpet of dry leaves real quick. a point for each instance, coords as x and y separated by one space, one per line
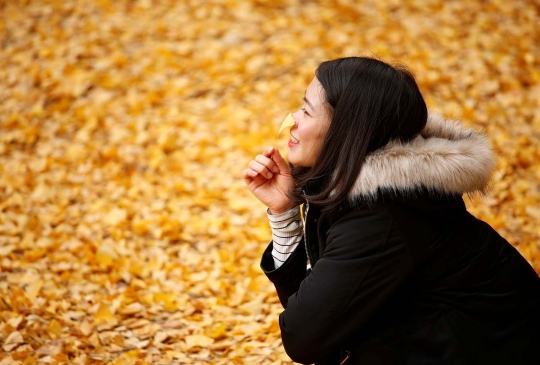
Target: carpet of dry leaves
126 233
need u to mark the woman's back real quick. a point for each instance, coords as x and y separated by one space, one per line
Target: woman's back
468 294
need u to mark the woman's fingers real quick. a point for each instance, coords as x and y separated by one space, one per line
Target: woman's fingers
265 166
274 154
260 168
267 162
248 174
268 151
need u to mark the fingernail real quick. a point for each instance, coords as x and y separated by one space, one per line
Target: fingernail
269 175
275 168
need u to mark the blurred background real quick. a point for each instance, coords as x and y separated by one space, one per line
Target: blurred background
127 235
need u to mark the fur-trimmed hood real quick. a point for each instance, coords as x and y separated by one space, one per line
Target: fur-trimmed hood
445 158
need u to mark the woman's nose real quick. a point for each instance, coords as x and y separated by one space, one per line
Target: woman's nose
295 116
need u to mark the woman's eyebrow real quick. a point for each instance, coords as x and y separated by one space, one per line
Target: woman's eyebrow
308 103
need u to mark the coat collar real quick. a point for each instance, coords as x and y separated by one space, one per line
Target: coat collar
445 158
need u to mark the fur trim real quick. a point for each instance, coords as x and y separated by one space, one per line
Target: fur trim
445 158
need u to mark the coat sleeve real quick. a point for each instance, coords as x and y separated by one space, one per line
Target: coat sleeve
364 263
287 277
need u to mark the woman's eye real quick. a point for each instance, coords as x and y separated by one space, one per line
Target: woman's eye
304 110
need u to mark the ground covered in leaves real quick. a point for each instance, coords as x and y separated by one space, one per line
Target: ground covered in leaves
126 233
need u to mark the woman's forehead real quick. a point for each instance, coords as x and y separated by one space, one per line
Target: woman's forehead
315 92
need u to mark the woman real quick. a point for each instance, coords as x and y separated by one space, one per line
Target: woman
398 272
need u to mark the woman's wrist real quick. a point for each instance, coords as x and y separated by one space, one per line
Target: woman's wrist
279 211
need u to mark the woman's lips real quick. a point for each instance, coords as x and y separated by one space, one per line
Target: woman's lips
292 144
293 141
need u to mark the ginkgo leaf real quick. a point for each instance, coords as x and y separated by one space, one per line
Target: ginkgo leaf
106 255
287 122
198 340
54 328
103 314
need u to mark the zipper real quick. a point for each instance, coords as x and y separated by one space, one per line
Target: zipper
347 355
308 264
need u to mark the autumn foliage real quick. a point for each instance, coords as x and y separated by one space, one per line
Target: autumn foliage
127 235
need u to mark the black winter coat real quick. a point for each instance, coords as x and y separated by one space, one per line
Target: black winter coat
403 274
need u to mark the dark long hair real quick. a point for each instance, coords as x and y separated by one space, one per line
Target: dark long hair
371 103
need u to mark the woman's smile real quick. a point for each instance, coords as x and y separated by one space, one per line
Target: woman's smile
293 141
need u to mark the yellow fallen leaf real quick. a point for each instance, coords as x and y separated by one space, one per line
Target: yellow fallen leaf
115 216
15 321
254 307
136 268
32 359
14 337
54 329
33 289
164 297
127 358
198 276
161 336
198 340
103 315
106 255
95 341
34 254
218 331
6 250
132 308
86 328
61 358
138 323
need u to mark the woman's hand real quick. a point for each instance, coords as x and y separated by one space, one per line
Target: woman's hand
269 178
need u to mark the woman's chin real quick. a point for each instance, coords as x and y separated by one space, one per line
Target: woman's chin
291 158
297 162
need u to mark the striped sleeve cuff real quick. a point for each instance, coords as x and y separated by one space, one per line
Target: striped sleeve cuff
287 232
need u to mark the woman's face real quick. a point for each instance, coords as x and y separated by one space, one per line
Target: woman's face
311 125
